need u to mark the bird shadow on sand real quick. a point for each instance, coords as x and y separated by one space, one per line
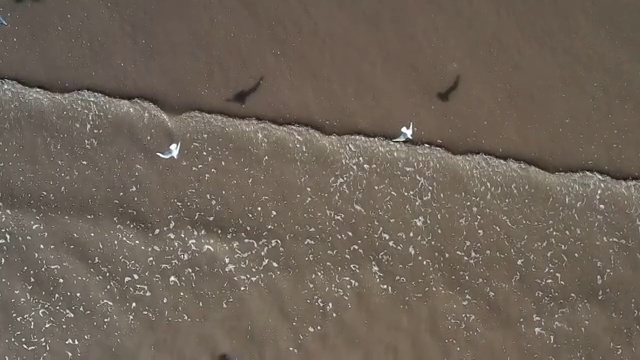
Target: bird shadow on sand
225 356
241 96
444 95
30 1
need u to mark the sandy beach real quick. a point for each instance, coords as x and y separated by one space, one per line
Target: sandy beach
322 240
551 84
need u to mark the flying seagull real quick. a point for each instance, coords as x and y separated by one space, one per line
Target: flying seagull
406 133
171 152
3 22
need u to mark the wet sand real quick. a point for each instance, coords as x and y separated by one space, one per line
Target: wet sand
552 84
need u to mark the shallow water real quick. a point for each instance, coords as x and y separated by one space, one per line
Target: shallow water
282 243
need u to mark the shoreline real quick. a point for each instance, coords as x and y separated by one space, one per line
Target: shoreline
547 84
518 162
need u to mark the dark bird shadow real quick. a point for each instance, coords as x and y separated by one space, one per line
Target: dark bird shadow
21 1
241 96
444 95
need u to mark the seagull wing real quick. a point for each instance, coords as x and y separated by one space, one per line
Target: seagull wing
177 150
402 137
164 155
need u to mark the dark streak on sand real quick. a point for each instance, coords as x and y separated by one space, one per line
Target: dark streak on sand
225 356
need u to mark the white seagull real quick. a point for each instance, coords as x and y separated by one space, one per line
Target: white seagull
406 133
171 152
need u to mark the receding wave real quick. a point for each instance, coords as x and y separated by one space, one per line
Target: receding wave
280 242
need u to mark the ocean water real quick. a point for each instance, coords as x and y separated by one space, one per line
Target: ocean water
276 242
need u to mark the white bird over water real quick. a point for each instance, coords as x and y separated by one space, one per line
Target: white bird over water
406 133
171 152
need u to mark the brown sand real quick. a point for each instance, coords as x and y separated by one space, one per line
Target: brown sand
552 83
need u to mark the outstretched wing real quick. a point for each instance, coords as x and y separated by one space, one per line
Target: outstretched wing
164 155
177 150
402 137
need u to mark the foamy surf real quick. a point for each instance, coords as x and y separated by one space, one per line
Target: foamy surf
280 240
